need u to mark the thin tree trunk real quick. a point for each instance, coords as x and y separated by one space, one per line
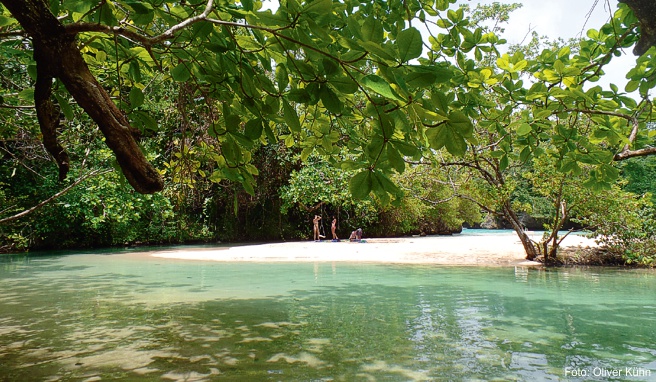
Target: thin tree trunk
52 198
48 114
531 250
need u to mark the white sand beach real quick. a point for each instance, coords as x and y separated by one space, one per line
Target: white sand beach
461 249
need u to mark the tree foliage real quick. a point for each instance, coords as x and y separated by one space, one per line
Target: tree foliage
257 65
187 93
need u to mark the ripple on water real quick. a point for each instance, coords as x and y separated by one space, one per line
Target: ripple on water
107 317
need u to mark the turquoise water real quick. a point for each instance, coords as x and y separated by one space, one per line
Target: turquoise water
126 316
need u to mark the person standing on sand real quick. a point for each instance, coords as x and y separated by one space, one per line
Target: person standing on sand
333 229
317 236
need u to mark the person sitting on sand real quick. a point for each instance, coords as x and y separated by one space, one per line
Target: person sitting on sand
333 229
317 235
356 235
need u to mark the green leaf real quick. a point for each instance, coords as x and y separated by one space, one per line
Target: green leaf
387 184
406 148
446 136
427 115
271 137
423 77
525 154
31 71
387 126
595 184
632 86
289 141
330 67
444 23
65 107
344 84
291 118
330 99
146 120
253 129
410 44
318 7
4 21
452 15
248 85
180 73
361 184
267 18
381 51
503 163
248 187
570 166
282 77
232 122
441 101
395 159
327 144
497 153
202 29
608 173
524 129
300 95
313 90
231 151
354 27
135 71
248 43
26 95
216 177
457 146
372 30
542 114
382 195
380 86
375 147
242 139
459 121
305 154
136 97
139 6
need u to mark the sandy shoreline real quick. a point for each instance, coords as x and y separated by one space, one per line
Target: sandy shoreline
480 250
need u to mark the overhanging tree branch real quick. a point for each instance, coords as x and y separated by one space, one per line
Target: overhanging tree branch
58 56
626 154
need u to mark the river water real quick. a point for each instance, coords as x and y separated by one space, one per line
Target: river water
127 316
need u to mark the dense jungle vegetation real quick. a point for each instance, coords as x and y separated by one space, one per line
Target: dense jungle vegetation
150 122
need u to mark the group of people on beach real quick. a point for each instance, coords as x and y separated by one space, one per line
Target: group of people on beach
355 235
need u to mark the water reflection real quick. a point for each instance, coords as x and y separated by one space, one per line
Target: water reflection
90 317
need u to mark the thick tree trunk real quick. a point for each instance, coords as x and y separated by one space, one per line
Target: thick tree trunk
645 11
57 55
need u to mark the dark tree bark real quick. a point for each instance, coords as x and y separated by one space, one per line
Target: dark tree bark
645 11
48 115
57 56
